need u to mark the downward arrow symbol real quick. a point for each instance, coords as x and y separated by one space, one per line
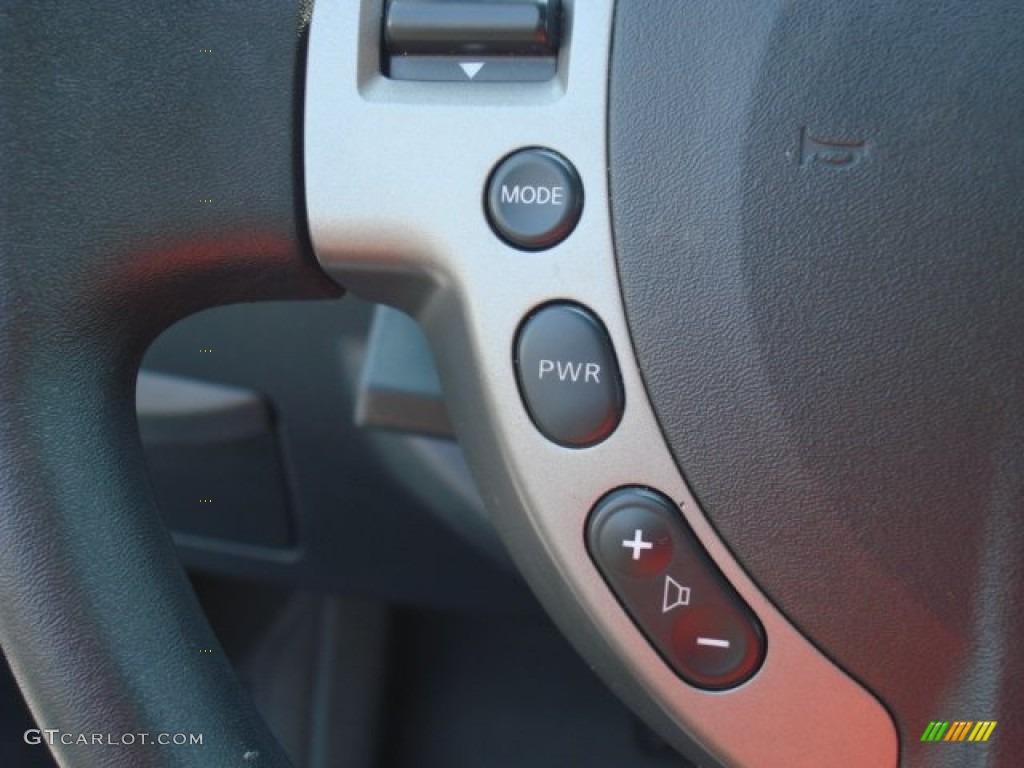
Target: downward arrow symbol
471 68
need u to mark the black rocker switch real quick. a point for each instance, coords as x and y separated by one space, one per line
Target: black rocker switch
674 592
471 40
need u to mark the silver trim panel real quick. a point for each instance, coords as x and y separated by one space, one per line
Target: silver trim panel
395 175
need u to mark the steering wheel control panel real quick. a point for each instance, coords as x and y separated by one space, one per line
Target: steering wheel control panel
672 590
495 115
534 199
472 40
568 376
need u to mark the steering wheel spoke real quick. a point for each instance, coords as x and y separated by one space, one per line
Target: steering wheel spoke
417 230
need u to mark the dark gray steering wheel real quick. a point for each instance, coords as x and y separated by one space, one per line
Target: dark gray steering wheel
812 307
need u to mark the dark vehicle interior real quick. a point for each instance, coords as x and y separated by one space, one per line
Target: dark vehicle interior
511 384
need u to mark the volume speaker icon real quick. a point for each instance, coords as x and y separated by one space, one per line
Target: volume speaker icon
676 595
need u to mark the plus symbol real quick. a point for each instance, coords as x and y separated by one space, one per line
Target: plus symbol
638 544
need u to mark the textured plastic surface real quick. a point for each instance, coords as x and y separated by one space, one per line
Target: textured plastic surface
149 170
818 222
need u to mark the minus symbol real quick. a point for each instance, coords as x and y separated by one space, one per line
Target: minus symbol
714 642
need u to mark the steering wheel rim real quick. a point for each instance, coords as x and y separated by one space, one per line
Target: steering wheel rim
150 171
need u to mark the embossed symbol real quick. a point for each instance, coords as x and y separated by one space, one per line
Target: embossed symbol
638 544
471 68
831 153
676 595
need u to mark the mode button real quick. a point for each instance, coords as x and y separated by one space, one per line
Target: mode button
534 199
568 375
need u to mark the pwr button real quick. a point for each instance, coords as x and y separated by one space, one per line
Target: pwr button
568 375
534 199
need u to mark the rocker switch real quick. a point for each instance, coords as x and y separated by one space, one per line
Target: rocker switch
471 40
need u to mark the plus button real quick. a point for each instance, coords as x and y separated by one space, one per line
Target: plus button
638 544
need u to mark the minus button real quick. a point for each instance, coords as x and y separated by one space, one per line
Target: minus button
713 642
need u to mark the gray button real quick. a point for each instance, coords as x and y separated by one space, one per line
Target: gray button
568 375
534 199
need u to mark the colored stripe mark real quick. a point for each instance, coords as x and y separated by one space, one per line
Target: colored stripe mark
935 730
959 730
982 730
